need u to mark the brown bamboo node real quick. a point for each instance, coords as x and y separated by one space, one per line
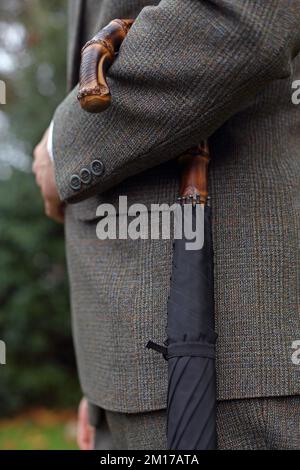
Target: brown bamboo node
194 174
99 42
97 90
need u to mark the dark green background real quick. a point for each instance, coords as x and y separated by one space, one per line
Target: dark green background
34 308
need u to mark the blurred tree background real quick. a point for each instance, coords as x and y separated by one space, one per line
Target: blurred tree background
34 309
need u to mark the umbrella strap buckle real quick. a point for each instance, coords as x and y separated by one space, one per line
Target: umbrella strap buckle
158 348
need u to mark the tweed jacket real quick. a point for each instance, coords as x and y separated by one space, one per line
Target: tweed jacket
188 70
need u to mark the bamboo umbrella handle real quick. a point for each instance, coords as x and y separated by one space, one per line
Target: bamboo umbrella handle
194 174
96 57
94 96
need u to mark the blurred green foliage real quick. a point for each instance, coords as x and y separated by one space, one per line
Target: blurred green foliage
34 308
39 430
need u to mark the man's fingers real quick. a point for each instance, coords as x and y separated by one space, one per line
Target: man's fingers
55 211
39 178
85 434
38 169
85 439
44 174
38 172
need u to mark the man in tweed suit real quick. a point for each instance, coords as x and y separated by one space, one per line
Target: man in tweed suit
188 70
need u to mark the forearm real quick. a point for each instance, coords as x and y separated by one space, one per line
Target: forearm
184 69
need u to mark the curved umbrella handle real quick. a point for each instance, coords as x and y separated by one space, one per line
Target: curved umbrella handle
96 57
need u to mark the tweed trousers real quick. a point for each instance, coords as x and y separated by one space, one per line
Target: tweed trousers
255 424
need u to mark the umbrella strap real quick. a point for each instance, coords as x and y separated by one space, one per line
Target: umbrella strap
192 349
158 348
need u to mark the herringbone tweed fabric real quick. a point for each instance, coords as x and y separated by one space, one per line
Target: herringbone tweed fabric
255 424
259 424
188 70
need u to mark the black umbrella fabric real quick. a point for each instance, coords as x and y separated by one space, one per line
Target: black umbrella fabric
191 346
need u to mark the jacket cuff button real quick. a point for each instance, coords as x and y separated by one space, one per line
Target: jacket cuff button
75 182
97 168
85 176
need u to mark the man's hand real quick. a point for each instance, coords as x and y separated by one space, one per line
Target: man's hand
44 174
85 432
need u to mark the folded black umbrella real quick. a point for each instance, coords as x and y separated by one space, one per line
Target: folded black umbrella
191 347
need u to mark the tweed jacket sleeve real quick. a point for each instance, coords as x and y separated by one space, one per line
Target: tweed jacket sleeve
184 69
